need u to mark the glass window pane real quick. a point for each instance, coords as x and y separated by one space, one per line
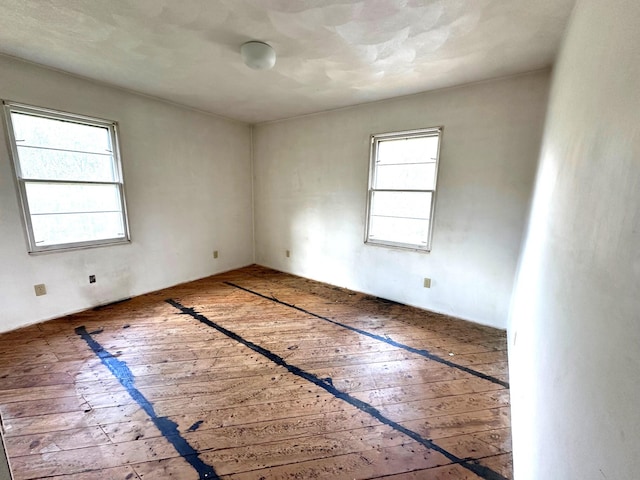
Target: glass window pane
32 130
401 204
408 150
78 227
36 163
73 191
48 198
403 183
406 177
399 230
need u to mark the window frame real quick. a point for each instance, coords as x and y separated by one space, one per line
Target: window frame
375 140
20 181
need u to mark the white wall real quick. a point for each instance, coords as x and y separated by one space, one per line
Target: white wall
311 182
188 187
575 324
5 470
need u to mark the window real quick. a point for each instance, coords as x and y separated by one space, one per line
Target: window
402 187
69 178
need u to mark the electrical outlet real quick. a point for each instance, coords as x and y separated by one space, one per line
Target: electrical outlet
40 289
288 253
215 254
92 279
427 283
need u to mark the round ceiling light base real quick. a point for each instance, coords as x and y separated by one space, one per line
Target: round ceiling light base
258 55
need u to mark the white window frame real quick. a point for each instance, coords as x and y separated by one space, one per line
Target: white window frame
376 139
21 181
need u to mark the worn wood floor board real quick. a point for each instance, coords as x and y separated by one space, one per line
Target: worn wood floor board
454 472
368 464
144 383
477 422
42 443
371 305
503 464
253 433
468 360
117 473
43 406
300 294
349 466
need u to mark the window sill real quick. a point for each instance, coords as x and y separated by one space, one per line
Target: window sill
398 246
79 246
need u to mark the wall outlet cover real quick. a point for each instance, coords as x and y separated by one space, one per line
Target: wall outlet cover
40 289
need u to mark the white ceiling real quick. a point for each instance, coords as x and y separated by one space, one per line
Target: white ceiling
331 53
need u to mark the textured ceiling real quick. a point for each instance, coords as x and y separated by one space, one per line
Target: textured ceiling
331 53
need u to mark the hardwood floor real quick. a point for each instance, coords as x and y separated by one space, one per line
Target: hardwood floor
256 374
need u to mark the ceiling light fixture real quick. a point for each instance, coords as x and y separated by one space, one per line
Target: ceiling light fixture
258 55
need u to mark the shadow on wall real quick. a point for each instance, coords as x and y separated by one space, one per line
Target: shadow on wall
5 472
319 246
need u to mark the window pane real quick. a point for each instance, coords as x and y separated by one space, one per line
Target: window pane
399 230
47 198
76 227
408 150
36 163
401 204
70 173
37 131
406 177
402 187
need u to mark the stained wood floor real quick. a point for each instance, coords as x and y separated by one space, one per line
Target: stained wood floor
256 374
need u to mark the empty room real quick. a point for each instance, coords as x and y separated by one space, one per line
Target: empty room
333 239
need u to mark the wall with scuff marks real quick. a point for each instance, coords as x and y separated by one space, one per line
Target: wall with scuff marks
310 187
574 338
188 187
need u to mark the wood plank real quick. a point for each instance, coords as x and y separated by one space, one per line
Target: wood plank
461 423
32 408
369 464
98 457
503 464
55 441
117 473
453 472
200 429
499 438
